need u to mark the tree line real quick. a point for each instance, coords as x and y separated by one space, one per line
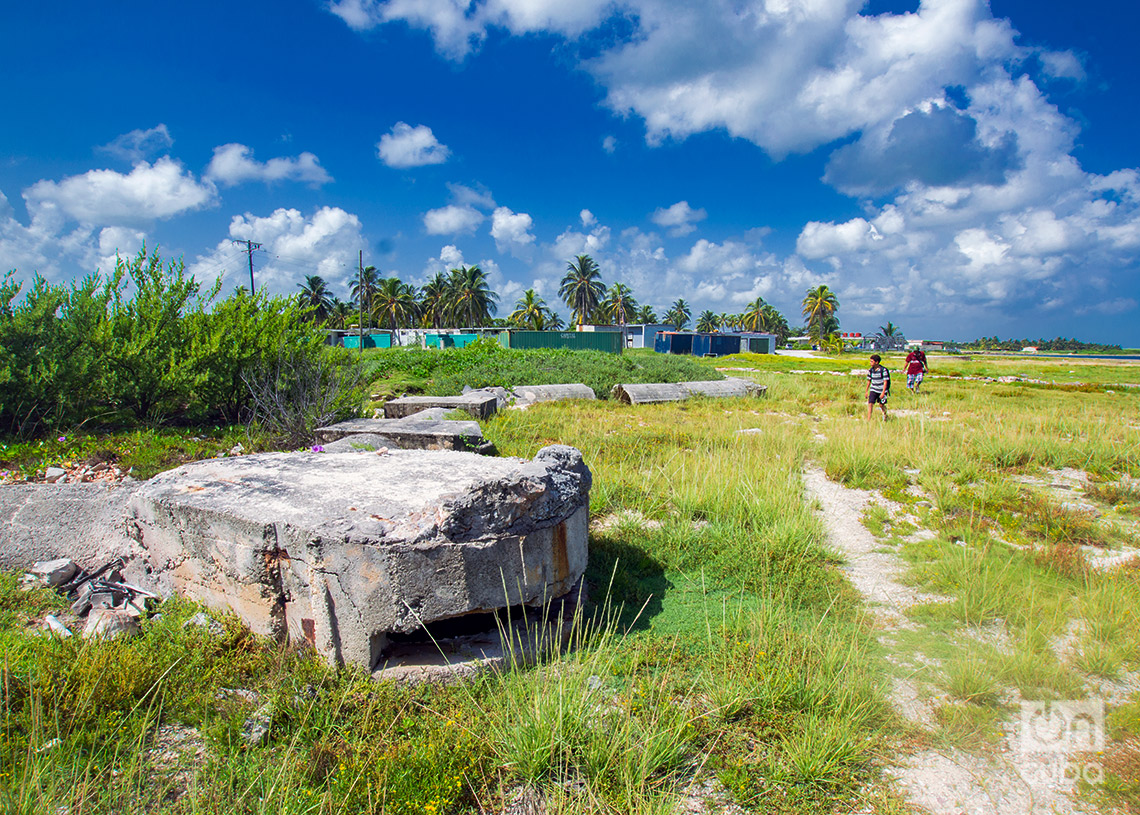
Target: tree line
462 298
1058 344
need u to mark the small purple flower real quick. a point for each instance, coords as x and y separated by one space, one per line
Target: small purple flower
318 449
63 438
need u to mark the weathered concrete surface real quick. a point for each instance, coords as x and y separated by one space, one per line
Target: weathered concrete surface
530 394
412 433
479 404
648 394
84 522
341 549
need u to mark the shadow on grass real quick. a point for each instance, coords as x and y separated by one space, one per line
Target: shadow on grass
626 579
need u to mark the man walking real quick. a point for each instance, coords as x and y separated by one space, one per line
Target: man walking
915 369
878 387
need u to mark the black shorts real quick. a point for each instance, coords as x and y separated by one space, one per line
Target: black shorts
876 398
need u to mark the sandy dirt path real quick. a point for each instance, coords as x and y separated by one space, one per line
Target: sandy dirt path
1008 781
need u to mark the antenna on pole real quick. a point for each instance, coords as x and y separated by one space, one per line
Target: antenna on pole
250 247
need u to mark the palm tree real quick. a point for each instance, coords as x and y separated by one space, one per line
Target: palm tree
364 289
316 295
646 315
832 343
530 310
819 306
620 305
679 314
470 301
582 288
433 302
394 303
554 321
708 322
341 313
754 317
889 331
775 323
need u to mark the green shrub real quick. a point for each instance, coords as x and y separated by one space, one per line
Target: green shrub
146 344
50 371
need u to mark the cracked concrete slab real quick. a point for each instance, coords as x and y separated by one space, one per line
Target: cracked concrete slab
343 549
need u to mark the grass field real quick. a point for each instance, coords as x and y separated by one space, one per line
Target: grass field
727 650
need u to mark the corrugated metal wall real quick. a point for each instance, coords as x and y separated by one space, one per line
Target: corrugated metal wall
608 341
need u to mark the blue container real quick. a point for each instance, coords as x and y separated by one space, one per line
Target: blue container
674 342
721 345
702 345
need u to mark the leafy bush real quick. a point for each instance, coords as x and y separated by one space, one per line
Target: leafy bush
144 337
144 344
49 367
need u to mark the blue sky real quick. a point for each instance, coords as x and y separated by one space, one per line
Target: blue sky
957 167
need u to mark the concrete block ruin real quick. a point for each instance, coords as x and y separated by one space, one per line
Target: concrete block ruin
346 550
480 404
417 432
531 394
655 393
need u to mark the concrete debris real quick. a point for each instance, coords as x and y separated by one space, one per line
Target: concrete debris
648 394
54 474
342 550
93 593
54 572
256 728
109 623
415 432
532 394
56 626
206 623
479 404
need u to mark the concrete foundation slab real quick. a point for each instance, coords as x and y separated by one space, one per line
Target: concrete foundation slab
479 404
83 522
412 433
344 549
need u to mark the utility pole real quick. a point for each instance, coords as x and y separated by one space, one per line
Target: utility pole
360 290
250 247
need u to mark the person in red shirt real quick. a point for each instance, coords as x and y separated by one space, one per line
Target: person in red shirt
915 369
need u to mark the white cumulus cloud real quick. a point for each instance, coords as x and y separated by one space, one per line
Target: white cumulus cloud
453 219
106 197
234 163
679 219
407 146
511 230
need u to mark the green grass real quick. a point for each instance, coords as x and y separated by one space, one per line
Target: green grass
725 642
395 371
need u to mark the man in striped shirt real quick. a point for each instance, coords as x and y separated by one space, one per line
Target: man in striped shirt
878 386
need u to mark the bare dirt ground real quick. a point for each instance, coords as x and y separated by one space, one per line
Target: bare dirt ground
950 781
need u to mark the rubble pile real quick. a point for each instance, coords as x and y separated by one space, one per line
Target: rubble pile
111 606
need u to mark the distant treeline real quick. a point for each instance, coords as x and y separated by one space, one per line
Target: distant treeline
1060 344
